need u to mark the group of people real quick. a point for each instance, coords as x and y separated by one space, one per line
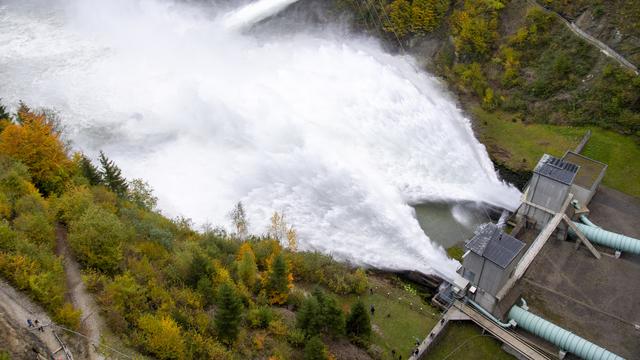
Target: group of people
35 324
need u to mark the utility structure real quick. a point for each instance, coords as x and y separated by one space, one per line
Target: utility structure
489 260
559 191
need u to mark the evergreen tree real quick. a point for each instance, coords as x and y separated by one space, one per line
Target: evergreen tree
112 176
227 317
278 281
359 322
315 350
330 314
199 268
308 317
89 171
4 115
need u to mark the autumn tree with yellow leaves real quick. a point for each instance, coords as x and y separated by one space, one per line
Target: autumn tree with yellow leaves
34 141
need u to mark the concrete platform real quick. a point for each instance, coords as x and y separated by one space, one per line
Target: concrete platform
597 299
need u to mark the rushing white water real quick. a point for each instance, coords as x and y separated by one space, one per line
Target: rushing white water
253 13
327 128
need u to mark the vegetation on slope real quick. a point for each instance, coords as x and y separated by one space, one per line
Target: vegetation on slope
169 291
617 22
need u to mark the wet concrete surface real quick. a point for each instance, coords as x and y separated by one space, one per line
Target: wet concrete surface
597 299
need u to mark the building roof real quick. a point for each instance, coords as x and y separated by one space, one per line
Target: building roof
494 245
556 169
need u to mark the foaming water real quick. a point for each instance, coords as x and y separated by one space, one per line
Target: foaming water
253 13
327 128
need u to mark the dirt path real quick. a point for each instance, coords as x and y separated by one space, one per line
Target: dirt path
605 49
15 309
91 321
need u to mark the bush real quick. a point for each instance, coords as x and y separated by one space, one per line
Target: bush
36 227
72 204
97 239
315 350
68 316
31 204
125 301
260 317
161 337
295 299
296 337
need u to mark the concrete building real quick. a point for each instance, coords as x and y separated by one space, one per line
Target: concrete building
490 257
547 191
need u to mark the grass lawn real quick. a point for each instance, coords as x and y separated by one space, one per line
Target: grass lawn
409 319
464 341
520 146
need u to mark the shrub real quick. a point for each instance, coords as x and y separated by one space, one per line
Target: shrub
296 337
260 317
72 204
30 204
359 282
68 316
36 227
315 350
97 239
295 299
161 337
125 300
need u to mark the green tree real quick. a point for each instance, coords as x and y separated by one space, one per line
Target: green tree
227 316
330 314
4 114
112 176
141 194
315 349
97 239
308 317
88 170
200 267
279 280
359 322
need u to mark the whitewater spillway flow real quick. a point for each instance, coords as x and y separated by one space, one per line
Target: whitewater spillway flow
328 128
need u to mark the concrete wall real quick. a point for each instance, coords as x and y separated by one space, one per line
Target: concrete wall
547 193
484 273
581 194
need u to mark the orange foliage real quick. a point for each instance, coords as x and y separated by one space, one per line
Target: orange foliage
35 143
